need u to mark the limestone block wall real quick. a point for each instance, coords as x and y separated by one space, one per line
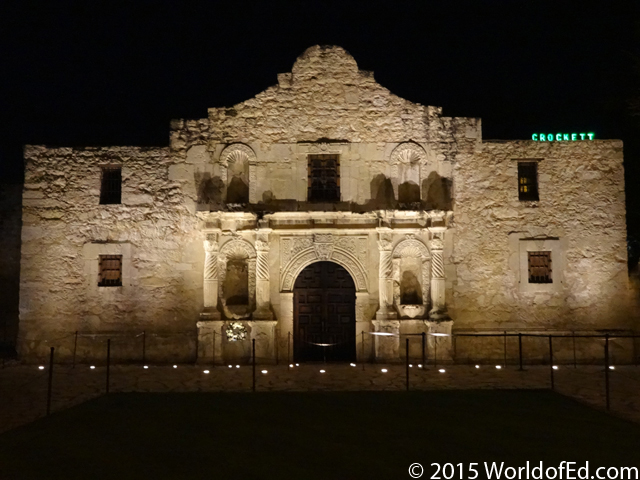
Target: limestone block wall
580 216
65 229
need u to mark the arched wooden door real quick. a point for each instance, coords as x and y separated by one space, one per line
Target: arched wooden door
324 313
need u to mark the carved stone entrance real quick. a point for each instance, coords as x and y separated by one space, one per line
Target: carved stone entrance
324 299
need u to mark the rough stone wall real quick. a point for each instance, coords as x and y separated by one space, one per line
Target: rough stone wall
64 227
581 203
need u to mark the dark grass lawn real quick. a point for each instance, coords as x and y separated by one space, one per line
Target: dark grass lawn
368 435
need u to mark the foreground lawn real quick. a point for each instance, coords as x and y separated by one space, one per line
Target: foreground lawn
346 435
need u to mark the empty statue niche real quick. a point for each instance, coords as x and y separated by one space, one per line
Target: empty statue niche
411 270
436 192
238 178
236 283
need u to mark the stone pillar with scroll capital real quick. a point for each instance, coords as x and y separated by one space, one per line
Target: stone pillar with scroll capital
438 306
263 304
385 280
210 285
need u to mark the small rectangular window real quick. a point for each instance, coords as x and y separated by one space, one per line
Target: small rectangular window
540 267
111 186
110 271
324 178
528 181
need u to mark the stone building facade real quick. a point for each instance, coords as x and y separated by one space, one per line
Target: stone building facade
321 211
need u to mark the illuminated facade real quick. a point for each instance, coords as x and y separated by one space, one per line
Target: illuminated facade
308 217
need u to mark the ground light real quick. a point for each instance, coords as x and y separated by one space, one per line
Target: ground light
40 367
297 364
498 367
611 367
555 367
175 366
352 364
322 371
206 371
291 365
410 366
237 366
419 365
264 371
384 370
92 367
442 370
477 366
230 366
146 367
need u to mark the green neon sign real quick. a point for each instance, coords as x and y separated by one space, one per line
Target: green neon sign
562 137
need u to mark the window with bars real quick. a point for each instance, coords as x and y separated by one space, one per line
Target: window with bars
324 178
111 186
540 267
110 268
528 181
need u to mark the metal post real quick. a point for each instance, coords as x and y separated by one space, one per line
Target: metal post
108 361
213 349
575 362
520 350
424 352
288 350
435 352
75 349
144 346
407 361
362 349
50 384
277 342
253 362
606 369
551 361
505 350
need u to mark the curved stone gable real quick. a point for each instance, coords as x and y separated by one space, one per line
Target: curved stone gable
325 96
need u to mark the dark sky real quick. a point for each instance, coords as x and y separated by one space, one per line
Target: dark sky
108 73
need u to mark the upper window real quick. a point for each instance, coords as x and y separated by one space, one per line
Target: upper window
540 267
111 186
324 178
528 181
110 271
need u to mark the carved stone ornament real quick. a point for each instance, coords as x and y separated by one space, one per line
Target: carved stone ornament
236 331
299 252
409 153
235 152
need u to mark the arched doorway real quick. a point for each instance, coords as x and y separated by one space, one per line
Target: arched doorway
324 314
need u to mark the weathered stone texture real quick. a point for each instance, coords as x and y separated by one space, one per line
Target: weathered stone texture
581 191
62 216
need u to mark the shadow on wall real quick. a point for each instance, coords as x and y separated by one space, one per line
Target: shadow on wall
238 191
436 192
210 190
382 196
408 192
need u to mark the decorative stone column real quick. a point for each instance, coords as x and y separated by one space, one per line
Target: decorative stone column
438 307
385 280
210 326
387 346
263 304
210 285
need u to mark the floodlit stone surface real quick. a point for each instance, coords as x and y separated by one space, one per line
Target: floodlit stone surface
214 229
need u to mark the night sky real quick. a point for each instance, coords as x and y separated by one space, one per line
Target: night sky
109 73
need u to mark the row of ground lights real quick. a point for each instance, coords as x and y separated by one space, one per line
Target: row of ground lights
384 370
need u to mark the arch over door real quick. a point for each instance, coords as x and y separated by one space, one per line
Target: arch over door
324 300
